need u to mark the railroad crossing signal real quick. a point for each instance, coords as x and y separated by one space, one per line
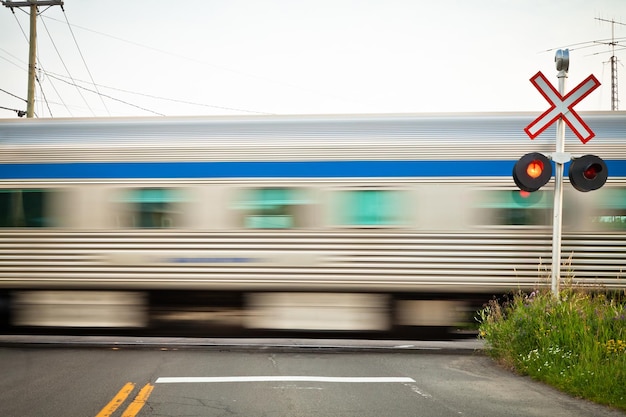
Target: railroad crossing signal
562 107
586 173
534 170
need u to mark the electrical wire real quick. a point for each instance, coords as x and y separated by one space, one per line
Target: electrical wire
20 113
75 84
66 70
13 95
19 24
209 64
11 62
45 99
84 62
105 95
173 100
56 91
14 57
166 53
37 59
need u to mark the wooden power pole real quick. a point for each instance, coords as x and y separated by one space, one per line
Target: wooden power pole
32 51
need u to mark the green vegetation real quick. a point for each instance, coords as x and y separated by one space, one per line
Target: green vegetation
576 343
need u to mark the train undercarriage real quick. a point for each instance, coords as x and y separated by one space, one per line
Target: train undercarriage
240 314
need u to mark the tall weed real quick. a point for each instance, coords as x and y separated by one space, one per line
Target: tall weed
576 343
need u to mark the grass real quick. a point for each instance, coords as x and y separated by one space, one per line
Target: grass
576 343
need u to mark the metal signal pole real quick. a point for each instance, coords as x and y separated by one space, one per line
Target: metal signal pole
562 65
32 51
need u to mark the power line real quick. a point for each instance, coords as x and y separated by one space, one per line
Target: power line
11 62
56 91
13 95
45 99
104 95
210 64
84 62
66 69
97 91
40 65
612 42
20 113
13 56
152 48
32 41
19 24
173 100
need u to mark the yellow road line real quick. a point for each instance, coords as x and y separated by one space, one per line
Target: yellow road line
119 398
139 401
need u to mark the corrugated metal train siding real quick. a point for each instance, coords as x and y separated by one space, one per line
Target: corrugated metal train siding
429 137
383 262
383 150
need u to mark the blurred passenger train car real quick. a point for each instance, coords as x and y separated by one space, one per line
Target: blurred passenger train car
331 223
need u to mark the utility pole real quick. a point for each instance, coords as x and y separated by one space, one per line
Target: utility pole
32 51
614 91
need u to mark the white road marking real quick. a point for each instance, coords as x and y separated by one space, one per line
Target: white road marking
298 388
417 390
217 379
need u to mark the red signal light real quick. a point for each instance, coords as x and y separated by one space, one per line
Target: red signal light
592 172
532 171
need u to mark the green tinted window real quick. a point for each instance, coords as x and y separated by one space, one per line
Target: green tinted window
610 210
271 208
24 208
153 207
516 208
370 208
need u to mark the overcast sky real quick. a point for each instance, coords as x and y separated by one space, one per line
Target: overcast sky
216 57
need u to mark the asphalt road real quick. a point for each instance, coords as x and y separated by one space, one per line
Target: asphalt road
271 379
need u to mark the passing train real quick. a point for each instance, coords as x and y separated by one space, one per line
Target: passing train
338 223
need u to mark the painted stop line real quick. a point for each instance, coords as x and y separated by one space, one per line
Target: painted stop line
220 379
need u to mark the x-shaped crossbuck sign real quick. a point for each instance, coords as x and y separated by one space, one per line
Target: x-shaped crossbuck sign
562 107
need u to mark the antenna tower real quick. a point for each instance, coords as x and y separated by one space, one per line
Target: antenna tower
614 90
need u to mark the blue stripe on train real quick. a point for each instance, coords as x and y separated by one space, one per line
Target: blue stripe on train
268 169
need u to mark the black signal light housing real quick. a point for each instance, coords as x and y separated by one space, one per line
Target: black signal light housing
588 173
532 171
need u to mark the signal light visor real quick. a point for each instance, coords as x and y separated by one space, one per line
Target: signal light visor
588 173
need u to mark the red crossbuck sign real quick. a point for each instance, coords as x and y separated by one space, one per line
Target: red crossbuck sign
562 107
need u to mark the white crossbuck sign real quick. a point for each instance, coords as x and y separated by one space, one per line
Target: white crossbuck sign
562 107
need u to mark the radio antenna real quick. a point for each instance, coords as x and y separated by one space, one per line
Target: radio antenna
612 43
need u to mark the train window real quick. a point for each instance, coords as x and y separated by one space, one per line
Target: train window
24 208
610 213
151 208
516 208
370 208
271 208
